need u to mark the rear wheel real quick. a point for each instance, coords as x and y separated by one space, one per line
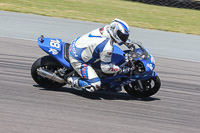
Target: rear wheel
50 65
149 88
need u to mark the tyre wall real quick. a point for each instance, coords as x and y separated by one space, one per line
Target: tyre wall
189 4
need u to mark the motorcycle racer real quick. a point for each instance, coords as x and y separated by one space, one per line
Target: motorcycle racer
94 46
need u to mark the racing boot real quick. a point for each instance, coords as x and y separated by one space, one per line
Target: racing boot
89 88
74 82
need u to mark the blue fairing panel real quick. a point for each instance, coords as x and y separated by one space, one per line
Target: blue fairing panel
55 48
118 55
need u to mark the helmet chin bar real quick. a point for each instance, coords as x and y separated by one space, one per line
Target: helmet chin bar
120 43
113 39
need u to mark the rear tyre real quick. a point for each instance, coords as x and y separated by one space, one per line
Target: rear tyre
51 65
150 87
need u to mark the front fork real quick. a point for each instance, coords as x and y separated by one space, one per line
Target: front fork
140 84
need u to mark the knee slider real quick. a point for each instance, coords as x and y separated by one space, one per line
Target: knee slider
96 85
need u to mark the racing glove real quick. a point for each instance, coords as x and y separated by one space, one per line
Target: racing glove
124 70
130 44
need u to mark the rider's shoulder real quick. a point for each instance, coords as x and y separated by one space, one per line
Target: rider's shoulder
99 33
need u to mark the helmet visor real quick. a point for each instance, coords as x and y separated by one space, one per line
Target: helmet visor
122 36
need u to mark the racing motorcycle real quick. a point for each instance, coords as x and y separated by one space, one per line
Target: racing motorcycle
142 81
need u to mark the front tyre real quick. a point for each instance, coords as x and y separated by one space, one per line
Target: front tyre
149 88
50 64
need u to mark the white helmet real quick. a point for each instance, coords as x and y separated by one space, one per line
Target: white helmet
119 31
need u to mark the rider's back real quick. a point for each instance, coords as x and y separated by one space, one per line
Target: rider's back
89 47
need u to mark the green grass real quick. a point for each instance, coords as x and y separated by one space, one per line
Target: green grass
134 13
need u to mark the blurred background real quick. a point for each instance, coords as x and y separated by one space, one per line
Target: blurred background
181 16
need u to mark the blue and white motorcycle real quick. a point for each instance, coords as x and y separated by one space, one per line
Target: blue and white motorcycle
51 71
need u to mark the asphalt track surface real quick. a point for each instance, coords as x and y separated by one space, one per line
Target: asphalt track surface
27 108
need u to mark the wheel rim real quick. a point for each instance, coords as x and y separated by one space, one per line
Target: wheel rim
147 85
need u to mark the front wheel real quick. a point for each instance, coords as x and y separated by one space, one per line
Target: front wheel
149 88
51 65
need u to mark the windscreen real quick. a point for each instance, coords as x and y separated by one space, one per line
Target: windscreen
139 51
